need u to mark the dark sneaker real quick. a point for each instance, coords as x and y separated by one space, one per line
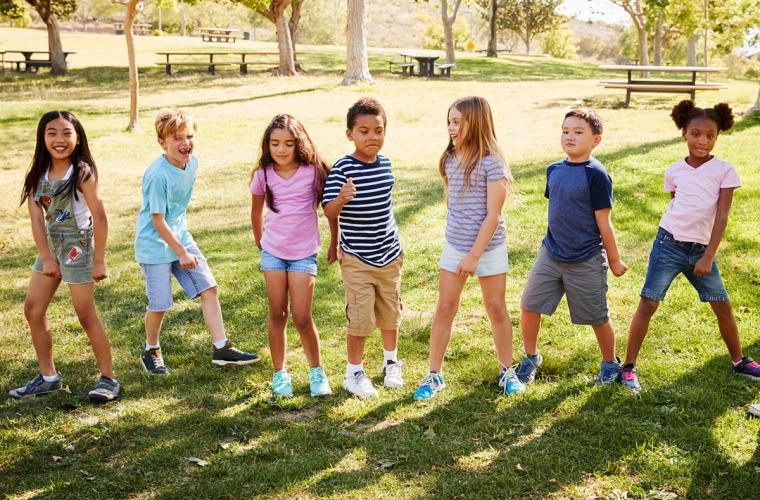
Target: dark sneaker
36 387
229 355
152 361
629 378
608 374
528 367
748 368
106 390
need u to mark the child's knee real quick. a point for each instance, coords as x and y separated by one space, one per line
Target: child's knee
722 309
496 309
33 310
648 307
447 309
302 320
210 293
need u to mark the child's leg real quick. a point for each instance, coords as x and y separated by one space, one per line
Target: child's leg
390 339
82 295
450 287
277 296
301 287
530 324
639 328
38 297
605 337
355 348
153 321
212 313
728 329
494 289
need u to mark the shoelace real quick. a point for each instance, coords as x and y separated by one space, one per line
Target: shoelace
431 380
361 379
317 377
158 361
394 367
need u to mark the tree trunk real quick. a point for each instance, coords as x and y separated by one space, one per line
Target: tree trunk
182 20
134 83
284 44
448 29
57 59
357 66
160 20
658 34
295 17
755 107
691 48
492 32
526 39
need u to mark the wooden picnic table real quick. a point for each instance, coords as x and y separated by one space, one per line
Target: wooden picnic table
425 61
137 28
31 64
220 34
644 84
244 59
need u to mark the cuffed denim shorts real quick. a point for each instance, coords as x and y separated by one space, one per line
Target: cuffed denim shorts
669 258
158 283
73 251
270 262
491 262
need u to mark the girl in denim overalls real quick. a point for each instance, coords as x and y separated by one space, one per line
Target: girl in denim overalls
67 214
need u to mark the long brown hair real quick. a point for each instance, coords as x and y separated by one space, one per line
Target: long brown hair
477 138
306 153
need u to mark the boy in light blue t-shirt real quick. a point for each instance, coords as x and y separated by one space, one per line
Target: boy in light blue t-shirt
164 247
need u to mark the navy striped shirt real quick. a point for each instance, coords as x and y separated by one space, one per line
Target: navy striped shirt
368 228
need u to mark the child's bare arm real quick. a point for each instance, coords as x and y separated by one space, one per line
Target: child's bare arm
257 220
347 193
37 217
704 265
604 222
89 189
332 249
186 259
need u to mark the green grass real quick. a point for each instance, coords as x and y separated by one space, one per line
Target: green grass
686 435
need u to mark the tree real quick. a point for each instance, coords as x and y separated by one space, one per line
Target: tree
274 11
448 21
526 18
357 65
50 11
636 9
133 7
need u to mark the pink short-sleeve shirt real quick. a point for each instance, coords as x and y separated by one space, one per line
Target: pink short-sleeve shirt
691 213
292 233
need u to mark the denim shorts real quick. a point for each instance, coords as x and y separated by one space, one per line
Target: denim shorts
491 262
669 258
158 283
270 262
72 249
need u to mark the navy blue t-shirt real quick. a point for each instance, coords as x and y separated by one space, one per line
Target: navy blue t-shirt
575 191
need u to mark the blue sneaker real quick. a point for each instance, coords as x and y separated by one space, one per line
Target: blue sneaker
429 386
37 387
528 367
610 370
281 384
318 382
629 378
509 381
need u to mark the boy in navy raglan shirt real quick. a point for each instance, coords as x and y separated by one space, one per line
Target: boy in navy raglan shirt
578 248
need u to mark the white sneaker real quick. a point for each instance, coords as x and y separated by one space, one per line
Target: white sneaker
359 384
392 372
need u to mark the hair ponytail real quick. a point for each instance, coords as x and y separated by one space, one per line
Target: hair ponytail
686 111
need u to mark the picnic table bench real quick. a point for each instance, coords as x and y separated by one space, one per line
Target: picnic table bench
242 59
218 34
31 64
661 86
426 65
137 28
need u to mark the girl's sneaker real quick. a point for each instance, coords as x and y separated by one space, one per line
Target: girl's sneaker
230 355
359 385
748 368
608 374
629 378
282 386
392 373
106 390
318 382
429 386
36 387
528 367
509 381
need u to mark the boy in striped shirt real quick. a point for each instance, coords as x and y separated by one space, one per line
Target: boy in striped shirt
358 194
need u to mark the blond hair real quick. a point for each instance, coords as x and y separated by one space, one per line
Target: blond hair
169 120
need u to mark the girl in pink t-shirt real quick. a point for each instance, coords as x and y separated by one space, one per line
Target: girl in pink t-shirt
289 178
701 188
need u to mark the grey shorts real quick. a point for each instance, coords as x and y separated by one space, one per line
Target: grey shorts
585 284
158 280
73 251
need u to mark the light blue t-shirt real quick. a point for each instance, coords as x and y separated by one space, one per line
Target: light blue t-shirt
166 190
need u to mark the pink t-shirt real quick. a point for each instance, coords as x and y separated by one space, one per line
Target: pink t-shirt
691 212
293 232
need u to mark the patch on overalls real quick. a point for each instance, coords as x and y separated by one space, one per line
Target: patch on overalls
45 199
62 215
73 255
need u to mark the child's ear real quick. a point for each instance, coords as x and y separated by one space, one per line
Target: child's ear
162 143
349 134
597 140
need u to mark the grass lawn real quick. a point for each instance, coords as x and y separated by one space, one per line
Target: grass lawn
687 434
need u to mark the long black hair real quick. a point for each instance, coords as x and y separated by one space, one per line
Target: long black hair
81 158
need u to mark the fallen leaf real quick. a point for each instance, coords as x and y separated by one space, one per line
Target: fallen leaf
519 467
69 448
197 461
55 458
722 473
744 309
224 446
386 464
553 481
429 432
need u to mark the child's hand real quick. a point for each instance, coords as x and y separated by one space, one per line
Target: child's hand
703 266
467 266
332 253
50 268
188 261
348 191
99 271
258 245
618 268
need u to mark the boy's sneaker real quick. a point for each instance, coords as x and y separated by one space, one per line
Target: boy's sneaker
629 378
392 373
152 361
609 372
106 390
510 382
429 386
230 355
36 387
281 384
318 382
748 368
528 367
359 384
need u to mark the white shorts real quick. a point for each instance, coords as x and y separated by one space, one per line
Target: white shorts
492 262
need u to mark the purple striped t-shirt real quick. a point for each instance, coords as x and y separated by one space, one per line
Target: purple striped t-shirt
468 208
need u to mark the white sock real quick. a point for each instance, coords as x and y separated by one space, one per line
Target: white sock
220 343
152 346
51 378
390 356
351 369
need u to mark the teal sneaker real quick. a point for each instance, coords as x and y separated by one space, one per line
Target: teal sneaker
318 382
509 381
282 386
429 386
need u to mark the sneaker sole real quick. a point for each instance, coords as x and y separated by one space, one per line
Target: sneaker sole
27 396
322 394
222 362
747 376
359 395
420 398
100 398
393 385
155 374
